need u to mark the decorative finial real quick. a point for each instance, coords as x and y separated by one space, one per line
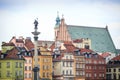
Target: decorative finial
36 23
107 27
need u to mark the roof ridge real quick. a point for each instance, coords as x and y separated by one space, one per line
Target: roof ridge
86 26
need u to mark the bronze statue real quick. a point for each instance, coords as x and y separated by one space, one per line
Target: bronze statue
36 23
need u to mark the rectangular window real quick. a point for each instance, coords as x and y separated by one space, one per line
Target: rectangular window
16 65
63 63
63 72
25 68
43 74
20 64
8 74
109 70
0 65
70 64
114 70
0 73
30 68
8 64
30 75
16 73
20 73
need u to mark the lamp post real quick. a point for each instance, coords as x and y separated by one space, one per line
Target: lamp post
36 68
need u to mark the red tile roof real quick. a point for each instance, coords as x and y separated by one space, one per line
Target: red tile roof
29 44
116 58
69 46
85 50
106 54
77 40
12 54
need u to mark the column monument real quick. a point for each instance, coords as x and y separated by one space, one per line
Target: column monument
36 65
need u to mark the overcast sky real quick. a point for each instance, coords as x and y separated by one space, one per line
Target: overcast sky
17 16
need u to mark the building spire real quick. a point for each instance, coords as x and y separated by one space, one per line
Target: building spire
57 20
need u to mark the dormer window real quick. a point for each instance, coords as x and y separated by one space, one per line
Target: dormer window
29 54
86 46
20 56
25 54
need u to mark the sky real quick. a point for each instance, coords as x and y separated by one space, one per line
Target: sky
17 17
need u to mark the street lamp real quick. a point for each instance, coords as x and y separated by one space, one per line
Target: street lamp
36 68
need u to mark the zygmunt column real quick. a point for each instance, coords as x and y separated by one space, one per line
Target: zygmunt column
36 66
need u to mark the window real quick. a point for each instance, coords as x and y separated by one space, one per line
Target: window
118 76
43 74
8 73
20 65
103 75
95 62
30 75
30 68
20 73
63 63
16 73
16 65
77 73
70 72
67 64
47 67
66 57
95 75
119 70
86 74
0 73
114 76
0 65
63 72
43 67
89 75
8 64
99 74
114 70
77 65
86 46
26 68
66 72
109 70
70 64
47 74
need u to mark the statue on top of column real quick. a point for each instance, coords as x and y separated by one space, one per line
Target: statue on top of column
36 23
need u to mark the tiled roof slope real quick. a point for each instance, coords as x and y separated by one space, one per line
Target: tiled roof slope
116 58
101 40
29 44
